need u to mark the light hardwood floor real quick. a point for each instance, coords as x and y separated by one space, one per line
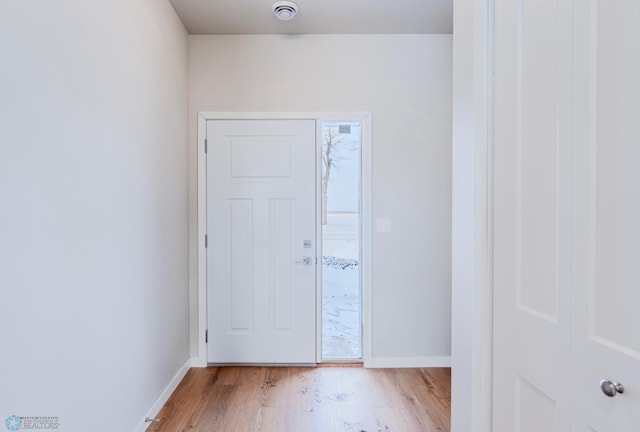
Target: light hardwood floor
322 399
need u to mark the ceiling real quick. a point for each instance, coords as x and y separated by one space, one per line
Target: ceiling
317 17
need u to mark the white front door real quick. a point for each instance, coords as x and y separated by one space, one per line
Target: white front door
566 215
261 254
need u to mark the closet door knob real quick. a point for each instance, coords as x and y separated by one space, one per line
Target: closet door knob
610 388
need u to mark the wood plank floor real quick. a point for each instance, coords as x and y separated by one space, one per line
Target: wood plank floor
322 399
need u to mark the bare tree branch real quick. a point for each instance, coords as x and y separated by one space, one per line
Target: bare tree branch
334 152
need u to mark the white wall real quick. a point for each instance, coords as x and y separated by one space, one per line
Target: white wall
94 209
405 81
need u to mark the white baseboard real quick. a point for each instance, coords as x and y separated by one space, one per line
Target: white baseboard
199 362
164 396
408 362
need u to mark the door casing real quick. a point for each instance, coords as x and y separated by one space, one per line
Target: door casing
200 360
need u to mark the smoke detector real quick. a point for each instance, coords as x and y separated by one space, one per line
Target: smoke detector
285 10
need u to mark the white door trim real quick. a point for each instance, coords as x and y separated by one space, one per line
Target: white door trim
200 360
472 212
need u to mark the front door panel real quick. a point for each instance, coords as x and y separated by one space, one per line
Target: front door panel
260 210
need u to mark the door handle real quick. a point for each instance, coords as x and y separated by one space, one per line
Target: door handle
610 388
305 260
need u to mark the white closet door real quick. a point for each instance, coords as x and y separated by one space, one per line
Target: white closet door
567 216
606 337
533 186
